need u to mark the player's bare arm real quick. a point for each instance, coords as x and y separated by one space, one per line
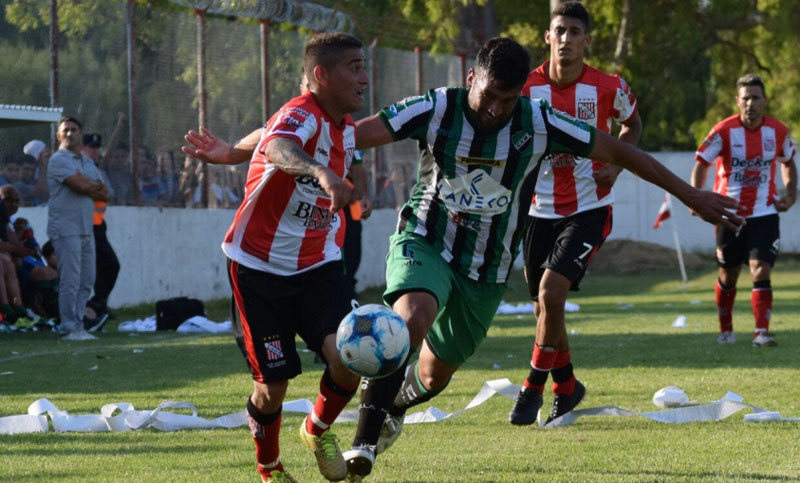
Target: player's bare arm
630 133
789 174
290 158
208 148
698 178
711 207
371 132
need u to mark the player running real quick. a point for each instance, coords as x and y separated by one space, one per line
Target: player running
284 252
747 149
571 210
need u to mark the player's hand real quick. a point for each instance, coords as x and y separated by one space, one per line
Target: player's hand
206 147
716 209
336 187
606 176
366 208
785 202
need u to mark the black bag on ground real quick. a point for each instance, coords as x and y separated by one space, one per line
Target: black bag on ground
171 313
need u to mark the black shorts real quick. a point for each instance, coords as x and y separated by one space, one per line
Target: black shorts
759 239
270 310
564 245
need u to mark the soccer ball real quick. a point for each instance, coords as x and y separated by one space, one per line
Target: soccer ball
372 341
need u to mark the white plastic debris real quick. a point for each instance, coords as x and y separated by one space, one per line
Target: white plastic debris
670 397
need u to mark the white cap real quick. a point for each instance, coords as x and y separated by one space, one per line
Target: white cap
34 148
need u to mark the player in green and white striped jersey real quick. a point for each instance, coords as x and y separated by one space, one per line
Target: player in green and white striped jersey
460 231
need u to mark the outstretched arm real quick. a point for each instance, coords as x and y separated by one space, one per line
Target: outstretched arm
208 148
372 132
711 207
606 176
290 158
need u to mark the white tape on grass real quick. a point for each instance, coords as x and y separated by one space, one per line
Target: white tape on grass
124 417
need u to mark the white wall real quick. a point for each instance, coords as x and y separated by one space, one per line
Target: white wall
172 252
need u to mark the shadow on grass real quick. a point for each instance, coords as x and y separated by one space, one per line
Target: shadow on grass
117 363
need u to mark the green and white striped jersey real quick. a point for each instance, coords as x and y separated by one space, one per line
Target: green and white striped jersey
474 188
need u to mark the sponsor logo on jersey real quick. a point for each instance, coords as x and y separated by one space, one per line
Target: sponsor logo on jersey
754 163
560 160
474 225
586 110
474 160
315 217
322 152
749 179
310 186
475 192
290 123
521 141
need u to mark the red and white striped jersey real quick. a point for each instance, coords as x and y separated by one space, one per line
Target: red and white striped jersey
284 225
565 185
746 162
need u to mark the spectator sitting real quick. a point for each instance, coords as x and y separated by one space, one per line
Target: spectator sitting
38 281
39 151
10 248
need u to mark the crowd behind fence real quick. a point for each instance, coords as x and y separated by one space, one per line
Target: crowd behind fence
93 87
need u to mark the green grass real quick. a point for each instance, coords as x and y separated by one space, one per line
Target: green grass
623 357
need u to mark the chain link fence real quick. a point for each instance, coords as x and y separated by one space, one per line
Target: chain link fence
93 87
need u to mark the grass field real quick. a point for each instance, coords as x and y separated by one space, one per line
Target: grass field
622 353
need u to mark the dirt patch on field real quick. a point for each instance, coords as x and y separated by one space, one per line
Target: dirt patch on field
628 256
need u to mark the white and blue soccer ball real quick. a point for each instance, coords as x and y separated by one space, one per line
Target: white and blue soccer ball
373 341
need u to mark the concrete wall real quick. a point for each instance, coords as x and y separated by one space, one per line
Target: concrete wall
172 252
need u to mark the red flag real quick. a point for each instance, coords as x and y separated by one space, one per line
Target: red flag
664 211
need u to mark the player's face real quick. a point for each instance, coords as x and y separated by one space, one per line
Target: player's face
69 135
567 40
751 102
347 81
491 105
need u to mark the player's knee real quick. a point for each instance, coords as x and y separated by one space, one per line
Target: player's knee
269 396
418 312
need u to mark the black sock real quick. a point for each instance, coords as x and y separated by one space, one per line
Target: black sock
537 378
376 398
562 374
258 416
412 392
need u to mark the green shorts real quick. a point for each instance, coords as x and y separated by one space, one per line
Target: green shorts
466 307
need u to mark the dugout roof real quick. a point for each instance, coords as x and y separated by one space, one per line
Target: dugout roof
13 115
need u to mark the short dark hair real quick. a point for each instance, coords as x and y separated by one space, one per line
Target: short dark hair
505 61
574 10
751 80
325 48
48 248
69 119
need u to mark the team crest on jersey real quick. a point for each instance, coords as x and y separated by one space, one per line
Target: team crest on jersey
274 351
769 145
586 110
522 141
474 160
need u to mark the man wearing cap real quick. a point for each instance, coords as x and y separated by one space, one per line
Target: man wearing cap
106 261
74 183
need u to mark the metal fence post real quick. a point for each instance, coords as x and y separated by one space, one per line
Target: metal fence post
133 108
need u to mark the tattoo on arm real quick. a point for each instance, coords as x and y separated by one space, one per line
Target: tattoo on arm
290 158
